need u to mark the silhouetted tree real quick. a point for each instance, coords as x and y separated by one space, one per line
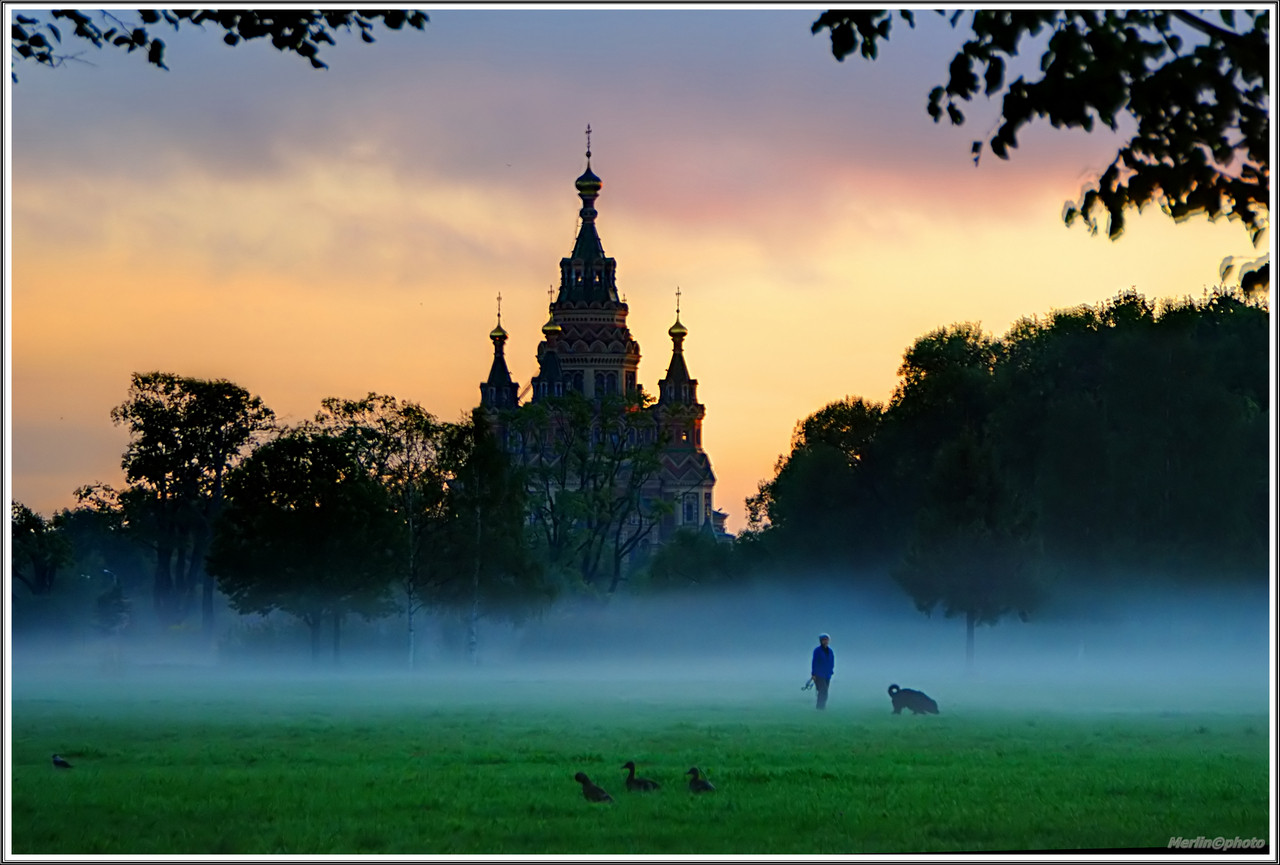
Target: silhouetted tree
692 559
185 434
587 464
1125 441
302 31
486 535
1197 91
39 548
824 505
403 447
974 552
307 530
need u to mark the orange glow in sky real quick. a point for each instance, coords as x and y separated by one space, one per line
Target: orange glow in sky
311 234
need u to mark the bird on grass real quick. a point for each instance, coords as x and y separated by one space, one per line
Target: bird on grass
635 784
698 784
591 791
59 763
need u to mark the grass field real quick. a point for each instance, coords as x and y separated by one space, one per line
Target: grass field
188 764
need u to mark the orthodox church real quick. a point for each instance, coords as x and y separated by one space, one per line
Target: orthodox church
587 348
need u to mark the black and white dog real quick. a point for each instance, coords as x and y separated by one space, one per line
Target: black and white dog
917 701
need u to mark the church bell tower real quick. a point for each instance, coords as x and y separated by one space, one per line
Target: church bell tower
587 346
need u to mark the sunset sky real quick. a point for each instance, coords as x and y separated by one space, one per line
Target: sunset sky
312 233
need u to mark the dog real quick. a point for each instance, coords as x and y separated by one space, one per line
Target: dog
918 702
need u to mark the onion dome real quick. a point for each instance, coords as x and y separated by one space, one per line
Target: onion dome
678 329
498 333
551 328
588 183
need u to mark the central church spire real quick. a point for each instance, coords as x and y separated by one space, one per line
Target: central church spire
588 274
587 348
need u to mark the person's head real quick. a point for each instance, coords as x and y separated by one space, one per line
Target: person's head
824 639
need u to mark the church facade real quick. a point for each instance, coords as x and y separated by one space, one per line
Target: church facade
588 349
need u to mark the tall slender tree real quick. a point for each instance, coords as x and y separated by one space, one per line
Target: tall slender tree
185 435
403 447
489 537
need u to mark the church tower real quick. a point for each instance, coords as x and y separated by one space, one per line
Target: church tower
686 477
586 345
499 392
588 349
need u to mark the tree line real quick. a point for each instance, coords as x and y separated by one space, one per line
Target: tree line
1096 447
372 505
1091 448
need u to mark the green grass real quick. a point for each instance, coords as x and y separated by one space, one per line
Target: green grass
474 766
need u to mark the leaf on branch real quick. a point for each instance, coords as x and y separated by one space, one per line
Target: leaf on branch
995 75
156 54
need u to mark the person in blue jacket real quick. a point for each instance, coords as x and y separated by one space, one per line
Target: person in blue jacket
823 668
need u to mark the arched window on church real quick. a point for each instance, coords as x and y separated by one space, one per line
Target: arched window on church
611 383
690 508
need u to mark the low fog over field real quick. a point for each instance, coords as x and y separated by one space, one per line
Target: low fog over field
1173 649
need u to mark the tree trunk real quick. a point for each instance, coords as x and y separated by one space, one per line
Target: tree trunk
197 576
473 636
337 629
314 623
162 591
181 584
970 620
413 654
206 607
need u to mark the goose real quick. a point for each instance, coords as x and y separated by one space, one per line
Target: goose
698 784
591 791
634 783
59 763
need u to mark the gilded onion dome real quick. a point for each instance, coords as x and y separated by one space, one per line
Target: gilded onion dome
588 183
